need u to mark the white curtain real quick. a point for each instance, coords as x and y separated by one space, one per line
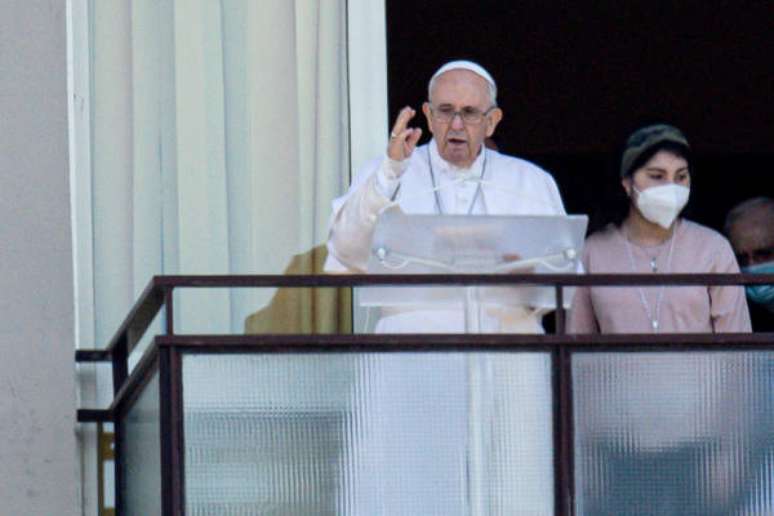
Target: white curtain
220 136
209 137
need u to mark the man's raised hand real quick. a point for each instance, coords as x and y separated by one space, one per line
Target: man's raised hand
403 139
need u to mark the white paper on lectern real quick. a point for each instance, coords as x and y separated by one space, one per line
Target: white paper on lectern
444 244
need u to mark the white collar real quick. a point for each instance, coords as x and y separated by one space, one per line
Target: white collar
443 167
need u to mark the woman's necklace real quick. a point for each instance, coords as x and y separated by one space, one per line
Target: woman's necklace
653 266
653 316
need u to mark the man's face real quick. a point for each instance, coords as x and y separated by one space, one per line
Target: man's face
459 142
752 237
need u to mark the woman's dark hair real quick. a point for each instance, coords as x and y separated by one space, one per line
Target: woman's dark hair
675 148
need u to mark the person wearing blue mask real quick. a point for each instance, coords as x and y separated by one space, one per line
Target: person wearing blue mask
750 228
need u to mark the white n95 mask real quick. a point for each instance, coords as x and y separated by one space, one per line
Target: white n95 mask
662 204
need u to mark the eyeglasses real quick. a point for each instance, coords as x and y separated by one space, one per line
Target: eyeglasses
469 115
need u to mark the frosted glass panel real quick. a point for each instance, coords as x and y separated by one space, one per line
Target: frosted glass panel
674 434
369 434
142 454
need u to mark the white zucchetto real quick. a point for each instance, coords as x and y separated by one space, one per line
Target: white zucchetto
465 65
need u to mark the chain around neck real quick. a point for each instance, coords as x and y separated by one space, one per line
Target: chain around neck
653 316
478 192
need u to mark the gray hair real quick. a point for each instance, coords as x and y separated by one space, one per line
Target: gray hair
744 208
491 86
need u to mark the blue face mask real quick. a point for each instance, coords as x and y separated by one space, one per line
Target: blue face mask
761 294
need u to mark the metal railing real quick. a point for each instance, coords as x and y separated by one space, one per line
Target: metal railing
165 353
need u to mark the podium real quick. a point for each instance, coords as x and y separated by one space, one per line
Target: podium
437 244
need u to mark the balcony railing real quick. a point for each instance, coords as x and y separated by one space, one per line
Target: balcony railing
583 433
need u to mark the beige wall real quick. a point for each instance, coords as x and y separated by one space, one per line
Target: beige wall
38 468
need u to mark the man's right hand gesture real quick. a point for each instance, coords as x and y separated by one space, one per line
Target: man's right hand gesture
403 139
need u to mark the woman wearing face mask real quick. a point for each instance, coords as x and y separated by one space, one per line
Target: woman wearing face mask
653 238
659 420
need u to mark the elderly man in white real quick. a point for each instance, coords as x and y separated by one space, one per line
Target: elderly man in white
453 174
424 456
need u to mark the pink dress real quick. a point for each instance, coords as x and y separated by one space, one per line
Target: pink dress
692 309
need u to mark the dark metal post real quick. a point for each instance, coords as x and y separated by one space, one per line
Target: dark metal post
556 387
118 465
564 469
560 312
171 429
169 310
120 363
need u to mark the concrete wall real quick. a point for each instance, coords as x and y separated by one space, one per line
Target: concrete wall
38 466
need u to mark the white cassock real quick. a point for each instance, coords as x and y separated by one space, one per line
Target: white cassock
448 434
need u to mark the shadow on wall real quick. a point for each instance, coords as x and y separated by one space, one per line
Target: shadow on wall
305 310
